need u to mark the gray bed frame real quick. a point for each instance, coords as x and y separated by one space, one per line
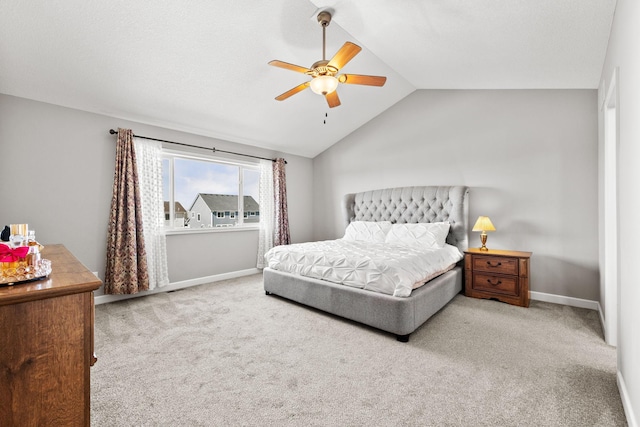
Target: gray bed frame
399 316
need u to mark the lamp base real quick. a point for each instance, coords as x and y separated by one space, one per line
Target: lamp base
483 240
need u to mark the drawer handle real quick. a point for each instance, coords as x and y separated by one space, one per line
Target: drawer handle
499 282
498 264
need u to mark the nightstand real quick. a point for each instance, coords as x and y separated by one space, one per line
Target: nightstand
496 274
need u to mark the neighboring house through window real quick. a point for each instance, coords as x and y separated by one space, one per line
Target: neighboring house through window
222 205
180 215
219 193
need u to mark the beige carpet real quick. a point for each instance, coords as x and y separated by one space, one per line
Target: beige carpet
225 354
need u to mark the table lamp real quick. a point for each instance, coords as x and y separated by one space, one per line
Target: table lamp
483 224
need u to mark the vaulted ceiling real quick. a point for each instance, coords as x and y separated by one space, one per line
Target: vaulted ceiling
201 66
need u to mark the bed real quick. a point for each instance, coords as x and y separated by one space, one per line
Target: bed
399 315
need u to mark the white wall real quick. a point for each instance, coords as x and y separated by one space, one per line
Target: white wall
623 52
529 156
57 176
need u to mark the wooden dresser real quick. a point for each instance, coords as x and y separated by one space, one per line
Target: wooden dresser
496 274
46 345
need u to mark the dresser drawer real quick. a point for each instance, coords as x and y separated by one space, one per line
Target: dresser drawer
502 265
507 285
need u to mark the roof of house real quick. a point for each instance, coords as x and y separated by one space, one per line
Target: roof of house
178 208
225 202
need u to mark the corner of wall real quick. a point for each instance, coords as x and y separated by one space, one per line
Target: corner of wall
632 421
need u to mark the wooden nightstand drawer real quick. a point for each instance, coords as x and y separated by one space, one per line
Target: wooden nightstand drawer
494 264
507 285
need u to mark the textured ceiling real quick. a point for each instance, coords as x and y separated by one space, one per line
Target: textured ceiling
201 66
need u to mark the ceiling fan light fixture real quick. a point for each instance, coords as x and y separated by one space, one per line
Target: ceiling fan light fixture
323 85
323 73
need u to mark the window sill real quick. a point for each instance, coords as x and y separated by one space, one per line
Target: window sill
172 231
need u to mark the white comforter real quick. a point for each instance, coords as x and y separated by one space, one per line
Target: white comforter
392 269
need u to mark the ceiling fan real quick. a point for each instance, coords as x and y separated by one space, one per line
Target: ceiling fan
324 78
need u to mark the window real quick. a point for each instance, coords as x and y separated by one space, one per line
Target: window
218 193
251 187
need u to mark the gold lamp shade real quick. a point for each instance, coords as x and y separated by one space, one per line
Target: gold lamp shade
483 224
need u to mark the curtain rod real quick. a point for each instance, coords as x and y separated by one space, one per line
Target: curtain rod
114 132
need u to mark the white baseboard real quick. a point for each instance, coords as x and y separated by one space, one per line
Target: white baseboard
102 299
626 402
560 299
602 322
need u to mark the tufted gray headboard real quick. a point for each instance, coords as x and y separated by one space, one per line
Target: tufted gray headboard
414 204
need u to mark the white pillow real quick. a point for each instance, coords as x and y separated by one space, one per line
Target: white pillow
430 235
367 231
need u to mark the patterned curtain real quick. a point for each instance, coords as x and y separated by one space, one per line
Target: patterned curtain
126 270
267 218
281 229
149 162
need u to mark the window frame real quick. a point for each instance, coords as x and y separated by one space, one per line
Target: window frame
242 166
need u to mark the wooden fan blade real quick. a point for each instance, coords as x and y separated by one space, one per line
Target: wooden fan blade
288 66
293 91
332 99
344 55
359 79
